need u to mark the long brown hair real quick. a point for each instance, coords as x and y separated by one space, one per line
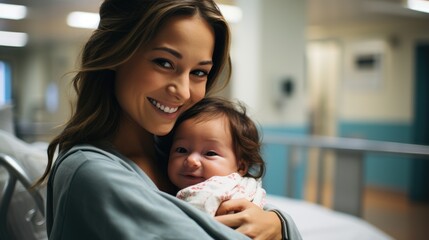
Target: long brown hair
125 26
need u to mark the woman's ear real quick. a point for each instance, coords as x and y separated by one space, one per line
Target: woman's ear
242 167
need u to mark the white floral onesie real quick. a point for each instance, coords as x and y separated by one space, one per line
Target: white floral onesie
208 195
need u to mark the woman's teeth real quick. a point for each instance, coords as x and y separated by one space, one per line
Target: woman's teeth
164 108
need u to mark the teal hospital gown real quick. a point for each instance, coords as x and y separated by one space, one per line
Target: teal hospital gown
94 194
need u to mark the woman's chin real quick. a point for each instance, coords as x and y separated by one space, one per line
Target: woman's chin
162 131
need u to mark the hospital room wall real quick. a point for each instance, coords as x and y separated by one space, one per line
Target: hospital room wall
377 105
275 45
268 51
41 89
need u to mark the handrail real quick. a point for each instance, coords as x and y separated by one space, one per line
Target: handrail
16 173
348 171
339 143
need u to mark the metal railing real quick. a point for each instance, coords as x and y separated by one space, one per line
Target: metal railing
17 174
348 176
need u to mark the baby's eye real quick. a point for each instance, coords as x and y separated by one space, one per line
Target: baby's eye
163 63
200 73
181 150
211 153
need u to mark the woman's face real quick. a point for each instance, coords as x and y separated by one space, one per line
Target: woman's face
167 76
201 150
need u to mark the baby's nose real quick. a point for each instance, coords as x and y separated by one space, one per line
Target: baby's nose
193 160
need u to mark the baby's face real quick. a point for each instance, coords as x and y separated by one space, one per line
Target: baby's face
200 150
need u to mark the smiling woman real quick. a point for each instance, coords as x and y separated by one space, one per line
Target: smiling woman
145 64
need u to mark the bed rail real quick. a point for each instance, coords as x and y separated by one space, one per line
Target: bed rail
349 159
16 174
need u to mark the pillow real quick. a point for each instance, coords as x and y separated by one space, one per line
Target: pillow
32 158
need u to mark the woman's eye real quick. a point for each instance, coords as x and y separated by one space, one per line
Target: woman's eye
200 73
211 153
163 63
181 150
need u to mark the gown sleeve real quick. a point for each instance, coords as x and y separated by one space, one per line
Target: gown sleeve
94 197
290 230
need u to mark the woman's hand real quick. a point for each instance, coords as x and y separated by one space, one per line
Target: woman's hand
250 219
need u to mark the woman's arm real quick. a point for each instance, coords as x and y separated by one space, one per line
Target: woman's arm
94 197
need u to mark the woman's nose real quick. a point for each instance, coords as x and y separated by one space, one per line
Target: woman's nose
193 160
181 88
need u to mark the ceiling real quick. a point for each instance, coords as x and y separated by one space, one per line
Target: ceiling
328 12
46 18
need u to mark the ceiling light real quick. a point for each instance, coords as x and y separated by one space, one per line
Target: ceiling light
83 20
13 39
418 5
11 11
231 13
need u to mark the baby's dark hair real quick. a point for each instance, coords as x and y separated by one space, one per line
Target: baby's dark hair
244 133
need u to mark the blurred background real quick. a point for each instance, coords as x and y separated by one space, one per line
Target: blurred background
334 68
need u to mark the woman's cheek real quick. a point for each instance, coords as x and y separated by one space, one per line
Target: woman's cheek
200 92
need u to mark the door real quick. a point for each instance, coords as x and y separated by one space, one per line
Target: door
419 189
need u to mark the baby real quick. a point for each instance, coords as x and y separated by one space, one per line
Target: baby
215 155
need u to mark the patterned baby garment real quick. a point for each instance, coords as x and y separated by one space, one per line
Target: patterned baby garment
208 195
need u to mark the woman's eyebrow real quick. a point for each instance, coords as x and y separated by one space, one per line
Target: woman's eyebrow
169 50
208 62
178 55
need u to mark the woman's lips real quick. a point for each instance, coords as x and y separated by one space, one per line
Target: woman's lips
162 107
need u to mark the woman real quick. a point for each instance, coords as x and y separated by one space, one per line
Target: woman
148 61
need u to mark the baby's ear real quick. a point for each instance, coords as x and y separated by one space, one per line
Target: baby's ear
242 167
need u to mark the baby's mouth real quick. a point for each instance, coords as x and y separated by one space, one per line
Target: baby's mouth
193 177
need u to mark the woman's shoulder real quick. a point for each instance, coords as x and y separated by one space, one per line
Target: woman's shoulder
86 168
89 163
82 155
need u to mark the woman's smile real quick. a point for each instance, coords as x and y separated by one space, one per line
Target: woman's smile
164 108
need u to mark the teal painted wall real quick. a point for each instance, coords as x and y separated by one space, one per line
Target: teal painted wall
276 159
387 171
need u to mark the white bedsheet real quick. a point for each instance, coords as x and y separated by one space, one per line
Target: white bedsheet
316 222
